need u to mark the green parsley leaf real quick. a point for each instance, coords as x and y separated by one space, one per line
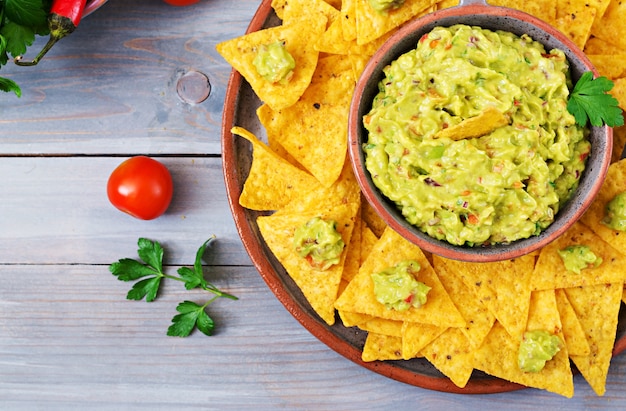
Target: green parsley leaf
191 315
150 274
33 13
589 102
10 85
19 38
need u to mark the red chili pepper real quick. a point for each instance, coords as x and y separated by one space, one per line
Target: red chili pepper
64 17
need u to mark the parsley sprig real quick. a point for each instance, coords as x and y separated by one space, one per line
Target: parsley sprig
590 102
20 22
149 273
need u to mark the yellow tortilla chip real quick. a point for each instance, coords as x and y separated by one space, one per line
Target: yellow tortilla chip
486 122
498 357
574 335
316 126
241 51
391 249
478 318
599 46
416 336
576 23
610 27
619 92
612 66
320 288
372 219
614 184
368 239
544 9
349 319
550 271
619 143
451 354
272 182
506 295
353 258
599 321
380 347
372 24
382 326
348 19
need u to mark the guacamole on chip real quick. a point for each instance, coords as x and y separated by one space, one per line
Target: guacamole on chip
497 185
397 288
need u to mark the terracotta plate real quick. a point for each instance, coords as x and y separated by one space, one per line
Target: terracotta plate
240 109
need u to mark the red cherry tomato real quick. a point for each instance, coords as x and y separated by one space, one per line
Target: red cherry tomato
141 187
181 2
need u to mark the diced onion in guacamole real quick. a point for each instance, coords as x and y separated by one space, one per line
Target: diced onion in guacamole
537 347
274 63
496 188
578 257
616 213
319 242
397 288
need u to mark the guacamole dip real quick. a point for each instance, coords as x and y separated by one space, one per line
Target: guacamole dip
319 243
578 257
498 187
274 63
536 348
397 288
615 217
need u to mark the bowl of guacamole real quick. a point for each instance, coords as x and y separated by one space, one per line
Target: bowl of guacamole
461 139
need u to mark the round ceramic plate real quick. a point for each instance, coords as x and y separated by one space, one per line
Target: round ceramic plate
240 110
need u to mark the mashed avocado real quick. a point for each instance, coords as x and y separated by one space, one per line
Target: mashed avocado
536 348
274 63
384 5
319 242
578 257
397 288
616 213
496 188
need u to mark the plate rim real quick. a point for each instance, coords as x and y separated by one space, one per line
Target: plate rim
259 258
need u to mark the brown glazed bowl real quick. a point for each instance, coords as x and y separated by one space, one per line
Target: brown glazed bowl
475 13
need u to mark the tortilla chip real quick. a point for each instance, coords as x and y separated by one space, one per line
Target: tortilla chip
382 326
380 347
573 333
353 258
503 287
544 9
416 336
599 321
478 318
301 12
451 354
610 27
241 51
576 23
272 182
498 357
368 240
619 144
316 126
596 45
612 66
372 24
372 219
486 122
320 288
550 271
614 184
348 19
349 319
619 92
391 249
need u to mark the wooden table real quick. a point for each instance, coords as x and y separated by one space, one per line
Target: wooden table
69 340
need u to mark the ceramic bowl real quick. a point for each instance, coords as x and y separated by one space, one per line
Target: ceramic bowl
476 13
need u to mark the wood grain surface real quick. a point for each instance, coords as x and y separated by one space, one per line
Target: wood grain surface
69 340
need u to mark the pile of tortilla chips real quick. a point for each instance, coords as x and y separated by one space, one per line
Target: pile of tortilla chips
476 313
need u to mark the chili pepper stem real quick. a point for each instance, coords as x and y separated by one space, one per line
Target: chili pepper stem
60 26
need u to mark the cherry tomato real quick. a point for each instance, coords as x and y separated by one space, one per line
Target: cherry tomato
141 187
181 2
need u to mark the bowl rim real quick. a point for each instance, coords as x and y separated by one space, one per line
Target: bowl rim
518 248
